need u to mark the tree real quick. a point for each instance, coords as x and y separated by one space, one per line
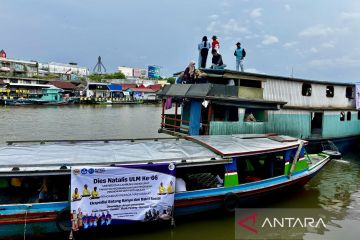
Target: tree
100 77
171 80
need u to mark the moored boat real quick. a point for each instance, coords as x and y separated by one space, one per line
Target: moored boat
223 171
242 102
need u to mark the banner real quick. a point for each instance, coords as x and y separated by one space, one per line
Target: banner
102 196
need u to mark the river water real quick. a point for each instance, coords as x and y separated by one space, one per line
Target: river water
336 189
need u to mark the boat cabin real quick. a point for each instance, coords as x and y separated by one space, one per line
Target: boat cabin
52 94
221 102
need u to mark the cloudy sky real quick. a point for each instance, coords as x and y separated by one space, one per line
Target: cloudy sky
314 39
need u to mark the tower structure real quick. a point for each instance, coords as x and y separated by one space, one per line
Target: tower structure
99 67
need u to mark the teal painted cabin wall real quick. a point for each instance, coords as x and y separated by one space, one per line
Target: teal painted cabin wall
281 122
291 122
333 127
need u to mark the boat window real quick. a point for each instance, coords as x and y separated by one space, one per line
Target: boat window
329 91
250 83
349 92
342 116
260 167
201 177
348 116
358 115
255 115
226 113
21 190
306 89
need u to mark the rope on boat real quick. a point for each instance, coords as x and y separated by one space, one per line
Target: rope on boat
26 212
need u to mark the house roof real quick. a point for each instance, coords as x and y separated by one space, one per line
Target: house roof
126 86
149 90
155 87
64 85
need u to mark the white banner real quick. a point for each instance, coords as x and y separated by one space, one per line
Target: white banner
101 196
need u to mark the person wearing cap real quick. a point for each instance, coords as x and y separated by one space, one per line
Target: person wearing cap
215 44
239 54
203 48
217 62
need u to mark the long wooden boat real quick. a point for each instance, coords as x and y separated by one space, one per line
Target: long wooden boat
219 172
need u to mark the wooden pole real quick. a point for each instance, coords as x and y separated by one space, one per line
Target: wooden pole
176 111
163 113
296 158
209 119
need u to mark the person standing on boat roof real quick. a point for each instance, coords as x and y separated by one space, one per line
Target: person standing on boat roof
203 48
215 44
217 62
240 55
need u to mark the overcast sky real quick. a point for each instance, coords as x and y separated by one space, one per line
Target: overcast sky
318 39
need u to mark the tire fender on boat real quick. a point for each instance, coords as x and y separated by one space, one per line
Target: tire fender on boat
63 221
231 201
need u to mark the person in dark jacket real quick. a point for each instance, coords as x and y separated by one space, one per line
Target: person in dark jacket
217 62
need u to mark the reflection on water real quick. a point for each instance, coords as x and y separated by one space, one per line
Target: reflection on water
336 189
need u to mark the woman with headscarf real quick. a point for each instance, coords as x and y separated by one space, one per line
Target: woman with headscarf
189 73
203 48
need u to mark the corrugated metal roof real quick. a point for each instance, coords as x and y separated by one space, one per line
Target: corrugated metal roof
31 155
225 73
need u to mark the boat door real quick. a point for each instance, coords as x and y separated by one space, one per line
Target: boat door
316 124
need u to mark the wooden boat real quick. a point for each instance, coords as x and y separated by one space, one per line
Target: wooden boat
223 171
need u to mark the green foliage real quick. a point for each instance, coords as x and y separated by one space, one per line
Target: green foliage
170 80
49 76
100 77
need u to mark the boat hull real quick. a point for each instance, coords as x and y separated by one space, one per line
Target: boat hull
44 218
30 219
201 201
344 144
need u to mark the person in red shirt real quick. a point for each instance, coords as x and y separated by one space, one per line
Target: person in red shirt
215 44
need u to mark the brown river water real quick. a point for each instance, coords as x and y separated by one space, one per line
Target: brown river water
336 189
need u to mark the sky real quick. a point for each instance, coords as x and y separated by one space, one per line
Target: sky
306 39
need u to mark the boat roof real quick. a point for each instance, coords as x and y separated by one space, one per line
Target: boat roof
217 93
53 155
246 144
232 74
